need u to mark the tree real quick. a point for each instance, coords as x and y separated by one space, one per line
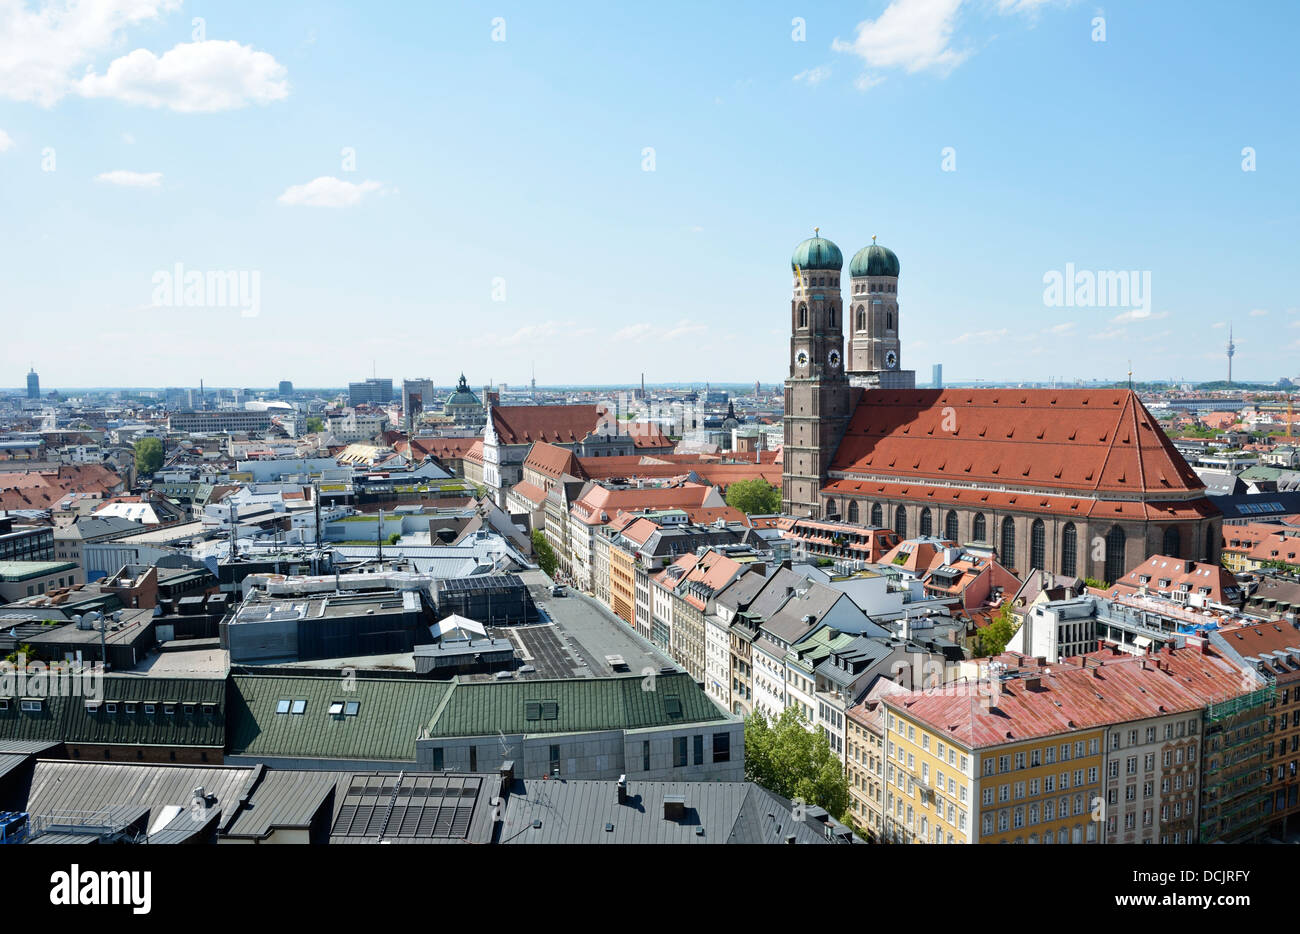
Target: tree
787 758
546 559
992 639
754 497
148 455
314 425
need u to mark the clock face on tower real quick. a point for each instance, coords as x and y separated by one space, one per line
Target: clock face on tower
833 359
891 360
801 358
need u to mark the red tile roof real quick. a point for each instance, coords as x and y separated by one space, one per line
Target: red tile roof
530 491
1073 441
553 461
42 489
1184 576
443 448
557 424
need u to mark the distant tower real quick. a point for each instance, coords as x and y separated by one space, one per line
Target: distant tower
1232 349
817 391
532 385
936 380
33 385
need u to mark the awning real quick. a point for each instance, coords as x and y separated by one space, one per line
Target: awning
1141 641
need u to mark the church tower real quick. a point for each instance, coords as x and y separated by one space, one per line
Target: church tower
817 392
875 355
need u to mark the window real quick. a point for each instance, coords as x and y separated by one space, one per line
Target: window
1038 545
1008 555
281 706
170 709
30 706
299 707
699 749
555 757
927 522
150 708
721 747
336 710
950 527
437 760
979 529
679 751
645 755
1069 549
1115 564
351 708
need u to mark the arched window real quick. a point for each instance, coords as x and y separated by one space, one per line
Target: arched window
1038 545
889 321
927 522
1069 549
862 319
834 312
877 515
1171 542
950 526
979 530
830 507
853 510
900 522
803 316
1114 554
1008 551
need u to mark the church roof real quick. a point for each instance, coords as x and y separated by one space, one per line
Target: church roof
556 424
1076 443
553 461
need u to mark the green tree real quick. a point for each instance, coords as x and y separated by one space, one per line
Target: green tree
993 639
796 763
148 455
315 424
754 497
546 559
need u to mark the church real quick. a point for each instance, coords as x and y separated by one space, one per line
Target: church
1081 482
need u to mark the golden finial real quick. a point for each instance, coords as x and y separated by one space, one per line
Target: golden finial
873 238
817 231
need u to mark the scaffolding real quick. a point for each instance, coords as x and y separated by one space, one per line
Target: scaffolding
1234 733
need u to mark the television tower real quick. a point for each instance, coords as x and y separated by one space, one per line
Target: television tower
1232 349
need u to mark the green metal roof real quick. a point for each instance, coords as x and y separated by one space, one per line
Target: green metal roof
874 260
630 702
391 714
26 570
817 253
65 717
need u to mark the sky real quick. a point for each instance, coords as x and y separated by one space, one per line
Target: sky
597 190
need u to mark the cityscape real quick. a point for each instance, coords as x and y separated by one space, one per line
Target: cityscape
491 497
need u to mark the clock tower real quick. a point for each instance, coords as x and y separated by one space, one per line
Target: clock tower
875 355
817 394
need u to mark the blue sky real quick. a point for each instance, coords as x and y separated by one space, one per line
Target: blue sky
517 166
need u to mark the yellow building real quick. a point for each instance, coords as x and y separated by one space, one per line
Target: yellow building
622 583
966 767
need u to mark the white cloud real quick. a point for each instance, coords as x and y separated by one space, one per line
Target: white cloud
914 35
980 337
194 77
1219 324
1138 314
1110 334
128 179
6 141
865 82
328 192
1258 312
814 75
48 51
1064 328
633 332
643 332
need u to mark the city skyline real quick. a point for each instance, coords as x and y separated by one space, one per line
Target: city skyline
538 214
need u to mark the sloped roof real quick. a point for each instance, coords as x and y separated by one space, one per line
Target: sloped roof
557 424
478 708
1078 441
553 461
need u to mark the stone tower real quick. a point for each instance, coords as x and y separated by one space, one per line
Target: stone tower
875 355
817 394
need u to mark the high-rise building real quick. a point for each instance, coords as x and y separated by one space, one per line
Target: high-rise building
371 392
417 398
33 385
286 388
936 380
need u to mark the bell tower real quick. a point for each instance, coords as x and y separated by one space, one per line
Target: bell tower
875 354
817 390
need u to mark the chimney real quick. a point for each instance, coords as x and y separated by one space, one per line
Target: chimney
622 789
507 773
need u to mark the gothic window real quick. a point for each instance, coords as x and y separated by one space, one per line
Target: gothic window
927 522
1171 542
830 507
1038 545
853 510
950 526
877 515
862 319
1008 550
1069 549
979 530
900 522
889 321
1114 554
803 316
